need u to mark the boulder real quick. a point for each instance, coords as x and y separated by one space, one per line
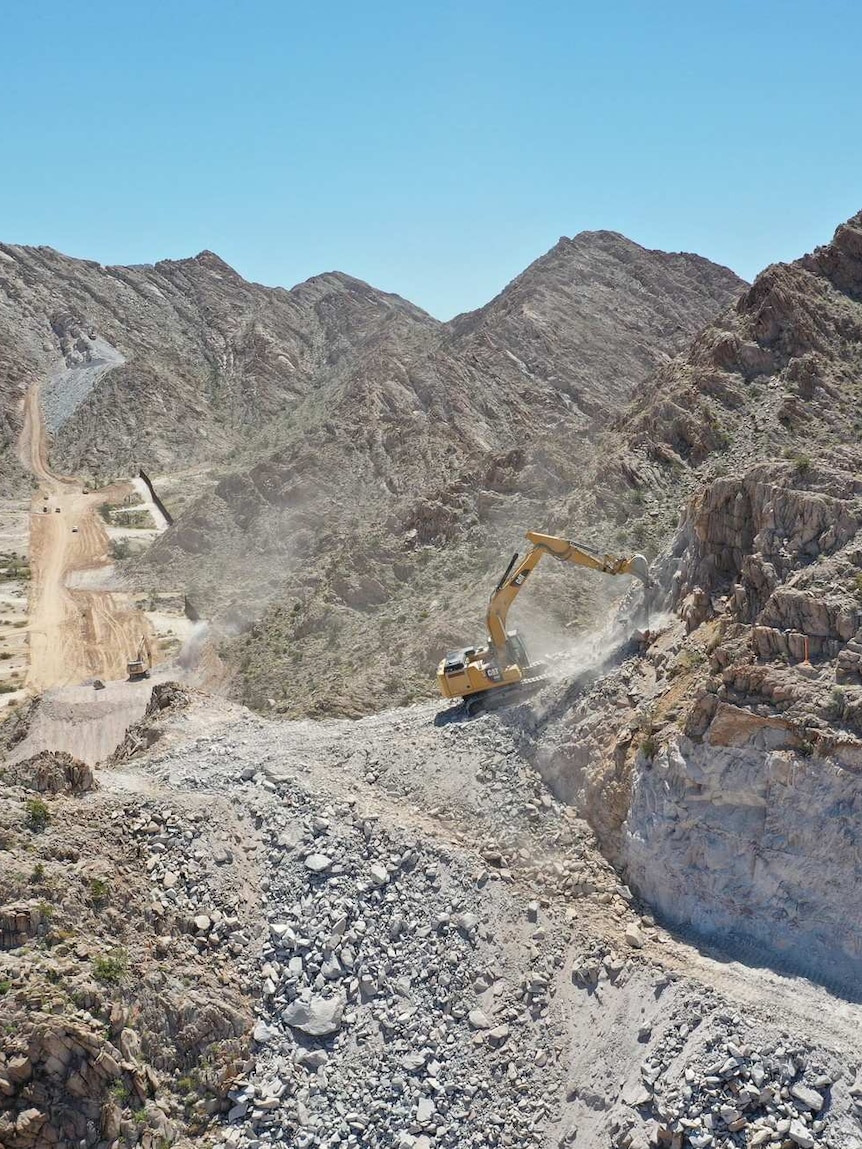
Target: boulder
318 1016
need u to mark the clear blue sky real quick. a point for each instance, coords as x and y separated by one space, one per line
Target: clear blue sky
433 149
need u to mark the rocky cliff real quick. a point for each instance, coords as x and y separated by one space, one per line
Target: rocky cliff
720 764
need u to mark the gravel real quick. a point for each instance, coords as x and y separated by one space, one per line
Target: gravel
446 961
68 387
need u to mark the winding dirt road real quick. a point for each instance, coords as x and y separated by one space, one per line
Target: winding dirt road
80 634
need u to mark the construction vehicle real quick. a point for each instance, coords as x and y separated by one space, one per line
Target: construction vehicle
139 666
492 673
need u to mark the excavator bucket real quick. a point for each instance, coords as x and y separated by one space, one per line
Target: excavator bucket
640 569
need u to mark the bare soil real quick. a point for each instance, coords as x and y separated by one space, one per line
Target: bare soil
79 634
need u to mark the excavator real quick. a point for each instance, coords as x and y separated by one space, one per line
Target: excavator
491 674
139 666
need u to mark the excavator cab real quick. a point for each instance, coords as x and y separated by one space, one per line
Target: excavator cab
473 671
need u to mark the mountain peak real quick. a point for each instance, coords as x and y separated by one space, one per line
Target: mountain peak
213 262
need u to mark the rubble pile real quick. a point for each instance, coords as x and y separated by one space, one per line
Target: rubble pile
733 1093
390 1013
183 857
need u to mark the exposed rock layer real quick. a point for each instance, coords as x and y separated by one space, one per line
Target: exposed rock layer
720 766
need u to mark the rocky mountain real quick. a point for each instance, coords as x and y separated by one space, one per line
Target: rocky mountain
403 480
720 765
594 315
326 445
175 364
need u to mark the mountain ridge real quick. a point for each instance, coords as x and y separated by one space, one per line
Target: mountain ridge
336 441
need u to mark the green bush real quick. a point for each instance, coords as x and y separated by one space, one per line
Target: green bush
100 891
110 968
37 814
120 548
120 1092
649 746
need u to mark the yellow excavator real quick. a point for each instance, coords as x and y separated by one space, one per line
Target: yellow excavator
478 674
139 666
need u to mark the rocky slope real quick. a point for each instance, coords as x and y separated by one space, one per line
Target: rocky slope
415 474
364 437
384 933
720 768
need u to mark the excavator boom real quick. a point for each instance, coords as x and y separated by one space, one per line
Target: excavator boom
510 585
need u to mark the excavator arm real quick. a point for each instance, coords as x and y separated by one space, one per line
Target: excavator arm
516 574
503 666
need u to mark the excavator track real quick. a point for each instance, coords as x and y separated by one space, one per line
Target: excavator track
490 700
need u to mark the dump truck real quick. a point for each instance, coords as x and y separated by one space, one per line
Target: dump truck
501 668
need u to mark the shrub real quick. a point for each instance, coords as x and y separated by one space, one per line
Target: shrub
100 891
649 746
110 968
38 874
38 814
120 548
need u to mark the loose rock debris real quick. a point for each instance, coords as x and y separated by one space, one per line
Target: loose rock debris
461 970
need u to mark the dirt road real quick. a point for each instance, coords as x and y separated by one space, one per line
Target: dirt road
77 634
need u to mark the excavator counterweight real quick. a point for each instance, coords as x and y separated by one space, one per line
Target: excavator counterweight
502 666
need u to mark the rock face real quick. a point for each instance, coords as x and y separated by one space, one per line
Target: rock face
53 772
720 765
751 839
